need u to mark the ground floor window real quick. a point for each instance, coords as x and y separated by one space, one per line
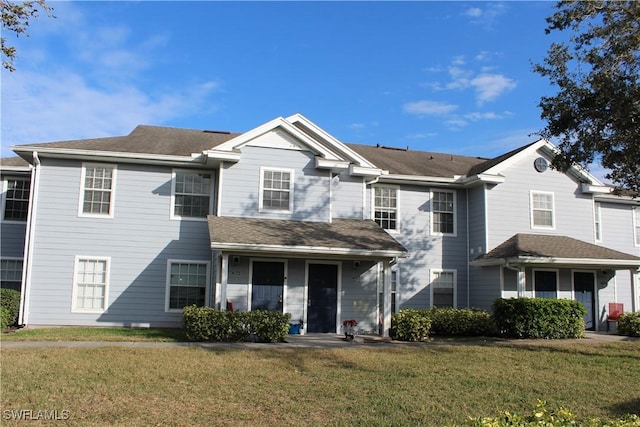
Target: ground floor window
545 283
90 284
443 288
11 274
186 284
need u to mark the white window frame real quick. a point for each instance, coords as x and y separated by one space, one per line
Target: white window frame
261 207
5 190
636 226
21 269
107 278
533 277
112 191
432 274
174 174
397 208
432 212
553 210
597 221
168 285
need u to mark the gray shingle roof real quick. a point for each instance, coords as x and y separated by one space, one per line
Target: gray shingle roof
341 235
548 246
13 162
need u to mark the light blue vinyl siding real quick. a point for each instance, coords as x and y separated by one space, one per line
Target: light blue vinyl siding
360 295
241 184
139 240
348 194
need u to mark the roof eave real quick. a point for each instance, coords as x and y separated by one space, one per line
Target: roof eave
594 262
312 250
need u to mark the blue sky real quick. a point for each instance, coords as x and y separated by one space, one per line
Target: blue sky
452 77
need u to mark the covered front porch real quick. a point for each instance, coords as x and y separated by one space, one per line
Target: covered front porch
320 273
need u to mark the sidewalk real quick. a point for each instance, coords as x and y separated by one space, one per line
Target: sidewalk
314 341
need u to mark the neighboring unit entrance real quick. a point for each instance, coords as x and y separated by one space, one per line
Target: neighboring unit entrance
583 287
322 303
267 285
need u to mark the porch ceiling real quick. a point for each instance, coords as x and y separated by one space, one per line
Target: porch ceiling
341 237
557 250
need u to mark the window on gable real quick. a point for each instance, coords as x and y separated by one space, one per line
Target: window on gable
443 212
16 199
97 190
277 189
443 288
186 284
545 284
542 210
191 194
597 222
385 207
90 285
11 274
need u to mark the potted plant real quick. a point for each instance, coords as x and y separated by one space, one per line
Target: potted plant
349 329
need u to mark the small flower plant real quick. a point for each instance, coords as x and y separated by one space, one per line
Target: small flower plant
348 326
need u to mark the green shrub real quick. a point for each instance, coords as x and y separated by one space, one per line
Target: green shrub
411 325
209 324
629 324
10 299
461 322
539 318
4 318
543 417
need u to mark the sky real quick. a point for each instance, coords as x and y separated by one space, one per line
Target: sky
450 76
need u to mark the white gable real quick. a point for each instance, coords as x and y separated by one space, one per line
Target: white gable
276 138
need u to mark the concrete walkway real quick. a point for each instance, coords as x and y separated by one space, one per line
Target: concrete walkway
314 341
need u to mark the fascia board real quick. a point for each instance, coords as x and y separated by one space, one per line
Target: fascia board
623 263
311 250
322 163
612 198
355 170
598 189
22 169
418 180
483 178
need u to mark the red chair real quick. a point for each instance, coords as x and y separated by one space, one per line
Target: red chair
615 310
229 306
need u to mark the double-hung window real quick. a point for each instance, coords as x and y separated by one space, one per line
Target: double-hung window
90 285
16 199
191 194
98 189
11 274
545 283
597 221
276 189
542 215
636 225
385 207
186 284
443 212
443 288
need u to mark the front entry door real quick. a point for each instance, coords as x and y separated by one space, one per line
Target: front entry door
267 285
323 298
583 286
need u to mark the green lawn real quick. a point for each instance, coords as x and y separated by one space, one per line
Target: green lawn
429 385
95 334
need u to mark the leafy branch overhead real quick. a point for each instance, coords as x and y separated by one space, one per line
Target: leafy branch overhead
15 18
596 113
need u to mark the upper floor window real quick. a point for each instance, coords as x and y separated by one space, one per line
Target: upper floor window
597 222
186 284
385 207
636 225
90 285
276 189
16 199
191 194
443 288
542 215
98 189
443 212
11 274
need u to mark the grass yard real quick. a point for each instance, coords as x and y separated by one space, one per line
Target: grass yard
71 333
430 385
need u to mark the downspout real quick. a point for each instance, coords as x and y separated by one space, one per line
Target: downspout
522 286
468 249
25 288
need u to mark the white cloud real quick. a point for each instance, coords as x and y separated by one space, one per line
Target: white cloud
487 16
477 116
428 108
473 12
489 86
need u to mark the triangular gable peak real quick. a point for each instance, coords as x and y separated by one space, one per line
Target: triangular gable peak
298 133
589 182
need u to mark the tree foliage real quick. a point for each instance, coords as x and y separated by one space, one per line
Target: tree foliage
596 112
15 18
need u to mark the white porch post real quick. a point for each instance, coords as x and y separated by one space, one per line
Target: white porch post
386 297
224 269
522 283
634 289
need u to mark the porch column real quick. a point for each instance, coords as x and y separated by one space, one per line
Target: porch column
224 278
522 283
386 297
634 289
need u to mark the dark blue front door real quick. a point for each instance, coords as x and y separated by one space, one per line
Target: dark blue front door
583 286
323 298
267 285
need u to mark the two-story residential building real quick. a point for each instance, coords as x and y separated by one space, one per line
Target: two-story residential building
128 230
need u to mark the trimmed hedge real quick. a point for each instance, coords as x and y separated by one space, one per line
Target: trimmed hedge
539 318
4 318
209 324
411 325
629 324
466 322
10 300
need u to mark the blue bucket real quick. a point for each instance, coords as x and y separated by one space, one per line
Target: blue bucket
294 328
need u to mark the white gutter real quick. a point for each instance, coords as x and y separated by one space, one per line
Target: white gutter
558 261
25 289
316 250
